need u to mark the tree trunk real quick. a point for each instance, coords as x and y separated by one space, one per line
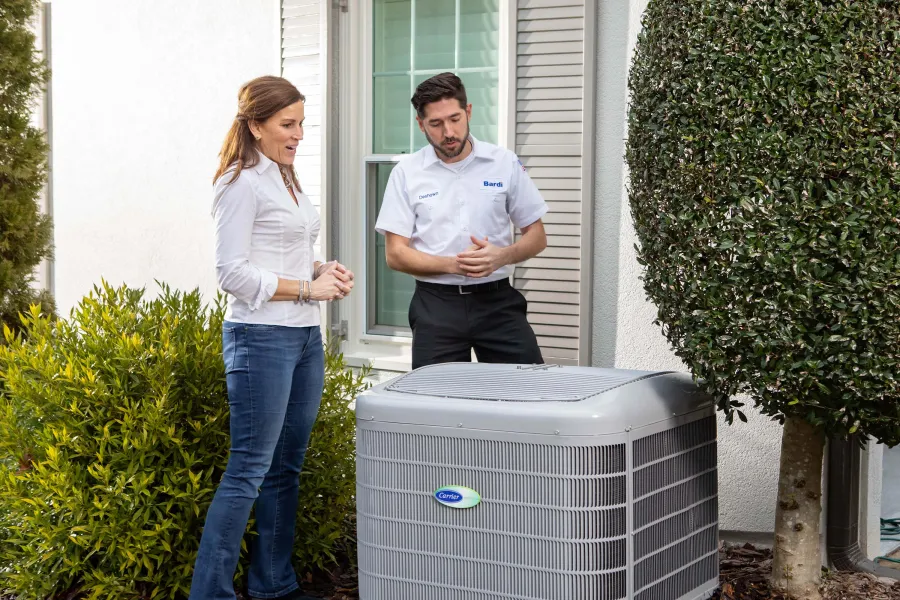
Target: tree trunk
797 566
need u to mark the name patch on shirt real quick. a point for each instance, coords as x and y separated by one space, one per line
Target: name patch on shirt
492 185
428 195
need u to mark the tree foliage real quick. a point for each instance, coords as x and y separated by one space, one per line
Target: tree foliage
25 233
765 192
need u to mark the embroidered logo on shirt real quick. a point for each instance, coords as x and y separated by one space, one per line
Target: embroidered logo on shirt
428 195
493 184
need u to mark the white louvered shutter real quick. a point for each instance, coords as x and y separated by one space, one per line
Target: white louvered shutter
549 124
302 64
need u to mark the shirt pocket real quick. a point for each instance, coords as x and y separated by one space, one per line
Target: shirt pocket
427 206
491 216
435 218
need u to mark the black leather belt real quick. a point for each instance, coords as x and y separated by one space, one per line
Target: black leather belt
472 288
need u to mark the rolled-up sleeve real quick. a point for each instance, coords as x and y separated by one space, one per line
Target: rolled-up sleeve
526 205
234 211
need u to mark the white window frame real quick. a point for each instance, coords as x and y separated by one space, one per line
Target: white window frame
42 118
388 352
367 303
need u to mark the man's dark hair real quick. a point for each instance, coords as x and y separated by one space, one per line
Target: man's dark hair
445 85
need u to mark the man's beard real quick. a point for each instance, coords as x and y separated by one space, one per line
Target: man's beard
447 153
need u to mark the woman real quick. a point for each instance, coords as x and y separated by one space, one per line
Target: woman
274 362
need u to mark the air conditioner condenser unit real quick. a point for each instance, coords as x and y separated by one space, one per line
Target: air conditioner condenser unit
509 482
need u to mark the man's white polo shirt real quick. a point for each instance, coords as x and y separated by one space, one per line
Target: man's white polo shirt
438 208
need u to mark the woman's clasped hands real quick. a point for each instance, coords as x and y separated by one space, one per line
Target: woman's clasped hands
333 281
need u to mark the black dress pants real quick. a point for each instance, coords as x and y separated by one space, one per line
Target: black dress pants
449 321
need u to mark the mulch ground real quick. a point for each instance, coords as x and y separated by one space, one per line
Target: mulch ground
744 572
744 575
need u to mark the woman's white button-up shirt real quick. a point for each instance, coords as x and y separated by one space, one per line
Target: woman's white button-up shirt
262 235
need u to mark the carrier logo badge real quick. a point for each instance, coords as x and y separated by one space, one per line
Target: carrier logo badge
456 496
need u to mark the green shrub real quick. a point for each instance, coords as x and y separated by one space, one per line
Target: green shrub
765 190
114 433
326 522
25 233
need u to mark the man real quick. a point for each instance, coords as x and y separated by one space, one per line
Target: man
446 218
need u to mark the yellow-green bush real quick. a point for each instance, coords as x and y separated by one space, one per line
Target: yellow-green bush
113 436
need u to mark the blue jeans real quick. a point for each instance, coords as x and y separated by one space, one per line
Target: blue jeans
275 377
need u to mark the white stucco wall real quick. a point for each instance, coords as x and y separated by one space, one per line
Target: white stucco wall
143 94
624 334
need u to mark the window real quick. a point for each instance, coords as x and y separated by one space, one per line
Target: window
413 40
389 292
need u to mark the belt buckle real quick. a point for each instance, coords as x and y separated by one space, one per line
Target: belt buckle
461 292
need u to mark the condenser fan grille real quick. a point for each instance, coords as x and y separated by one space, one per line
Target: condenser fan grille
511 383
551 523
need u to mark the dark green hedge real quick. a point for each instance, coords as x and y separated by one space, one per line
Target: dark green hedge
25 233
765 191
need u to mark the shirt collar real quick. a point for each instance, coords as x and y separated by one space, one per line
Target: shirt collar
264 163
431 156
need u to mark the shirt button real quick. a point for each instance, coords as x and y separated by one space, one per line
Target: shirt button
465 228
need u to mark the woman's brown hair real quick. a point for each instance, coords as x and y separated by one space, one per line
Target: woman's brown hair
258 100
